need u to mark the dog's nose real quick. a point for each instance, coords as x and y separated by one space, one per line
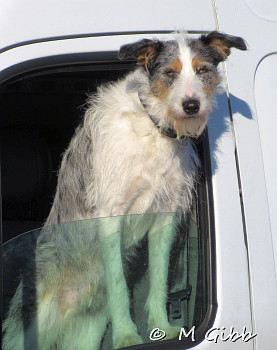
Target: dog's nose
191 106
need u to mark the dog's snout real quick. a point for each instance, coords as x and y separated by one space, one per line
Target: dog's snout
191 106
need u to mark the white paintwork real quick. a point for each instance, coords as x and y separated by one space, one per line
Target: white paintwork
236 17
23 20
265 9
232 274
266 102
51 48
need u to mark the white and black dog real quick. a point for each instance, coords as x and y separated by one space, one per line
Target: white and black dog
132 154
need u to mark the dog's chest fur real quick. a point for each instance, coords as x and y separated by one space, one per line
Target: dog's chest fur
149 172
118 163
162 170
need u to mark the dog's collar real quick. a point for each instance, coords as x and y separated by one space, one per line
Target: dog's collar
169 132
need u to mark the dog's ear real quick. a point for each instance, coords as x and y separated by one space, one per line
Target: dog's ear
144 51
222 43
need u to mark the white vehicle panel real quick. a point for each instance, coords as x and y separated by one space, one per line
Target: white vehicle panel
260 34
24 20
266 102
265 9
232 273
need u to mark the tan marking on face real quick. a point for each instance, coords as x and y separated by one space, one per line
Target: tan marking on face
176 65
196 62
207 90
159 89
210 90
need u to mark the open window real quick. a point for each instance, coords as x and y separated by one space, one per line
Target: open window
39 113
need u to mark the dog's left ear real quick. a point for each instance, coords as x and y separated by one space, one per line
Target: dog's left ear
222 43
144 51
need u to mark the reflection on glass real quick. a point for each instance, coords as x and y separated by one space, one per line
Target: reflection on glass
85 283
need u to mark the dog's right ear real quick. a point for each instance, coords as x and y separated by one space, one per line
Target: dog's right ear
222 43
144 51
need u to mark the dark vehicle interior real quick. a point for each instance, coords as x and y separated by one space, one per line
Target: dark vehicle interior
35 131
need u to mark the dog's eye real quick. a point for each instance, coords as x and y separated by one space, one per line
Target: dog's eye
202 70
170 73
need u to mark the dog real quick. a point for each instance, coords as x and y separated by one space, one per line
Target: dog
133 155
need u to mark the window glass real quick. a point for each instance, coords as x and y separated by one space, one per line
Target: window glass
81 251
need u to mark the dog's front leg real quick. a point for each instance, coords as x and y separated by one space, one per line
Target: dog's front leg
123 329
159 244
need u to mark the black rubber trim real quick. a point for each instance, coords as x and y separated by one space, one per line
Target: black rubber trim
42 65
93 35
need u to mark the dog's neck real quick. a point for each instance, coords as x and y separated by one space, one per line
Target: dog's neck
166 131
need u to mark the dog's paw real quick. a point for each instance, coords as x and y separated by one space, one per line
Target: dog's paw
127 340
171 332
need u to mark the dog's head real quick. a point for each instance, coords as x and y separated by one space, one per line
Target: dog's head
182 76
